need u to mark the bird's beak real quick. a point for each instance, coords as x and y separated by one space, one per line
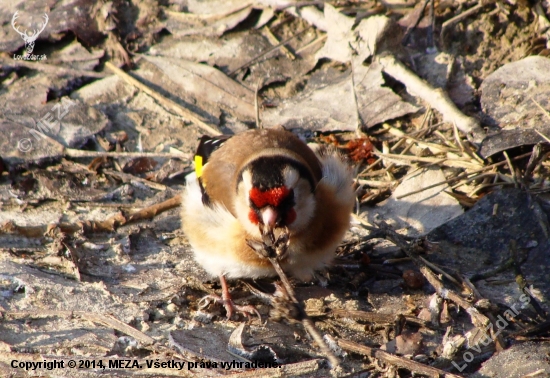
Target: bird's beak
269 218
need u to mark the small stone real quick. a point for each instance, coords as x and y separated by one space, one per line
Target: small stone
172 308
413 279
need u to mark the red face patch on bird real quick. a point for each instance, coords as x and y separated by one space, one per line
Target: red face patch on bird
273 197
253 217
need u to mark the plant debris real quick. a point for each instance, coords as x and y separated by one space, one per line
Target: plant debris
441 108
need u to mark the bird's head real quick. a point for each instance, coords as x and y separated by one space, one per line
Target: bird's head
275 192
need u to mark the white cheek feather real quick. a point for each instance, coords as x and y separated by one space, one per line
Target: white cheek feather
305 206
291 177
242 207
217 225
247 181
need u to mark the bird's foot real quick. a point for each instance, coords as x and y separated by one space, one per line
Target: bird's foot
229 305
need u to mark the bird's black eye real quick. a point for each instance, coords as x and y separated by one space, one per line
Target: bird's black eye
289 201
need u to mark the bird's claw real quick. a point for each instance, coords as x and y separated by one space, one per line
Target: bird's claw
206 300
229 306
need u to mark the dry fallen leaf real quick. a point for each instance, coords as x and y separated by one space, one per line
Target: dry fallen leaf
419 213
209 18
203 84
376 103
515 101
139 165
326 104
339 36
235 50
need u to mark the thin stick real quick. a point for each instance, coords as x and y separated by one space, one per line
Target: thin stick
49 68
256 105
128 177
544 111
376 183
411 365
363 222
399 241
511 168
461 176
395 131
107 320
460 163
419 159
463 147
166 102
485 186
274 41
476 177
373 317
543 136
249 62
440 271
478 319
437 98
462 16
315 41
93 154
399 143
306 320
499 340
108 225
71 152
442 137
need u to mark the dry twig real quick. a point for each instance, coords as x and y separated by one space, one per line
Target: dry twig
373 317
266 31
259 56
402 362
522 282
108 225
478 319
455 163
459 17
437 98
49 68
463 175
107 320
273 249
297 369
166 102
129 178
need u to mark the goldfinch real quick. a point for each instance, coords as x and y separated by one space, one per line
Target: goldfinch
264 179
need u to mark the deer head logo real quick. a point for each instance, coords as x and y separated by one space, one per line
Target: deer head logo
31 37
